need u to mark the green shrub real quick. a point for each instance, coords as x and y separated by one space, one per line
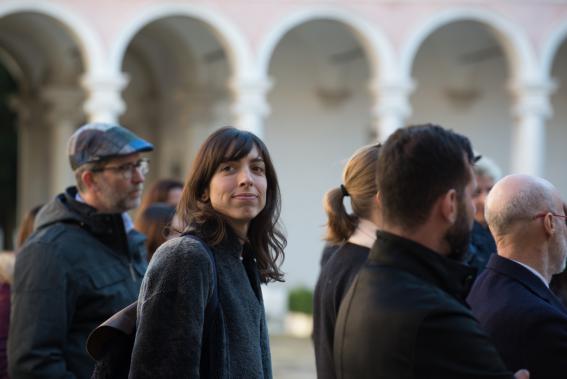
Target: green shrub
301 300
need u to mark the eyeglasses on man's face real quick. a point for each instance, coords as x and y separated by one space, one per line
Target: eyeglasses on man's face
127 169
541 215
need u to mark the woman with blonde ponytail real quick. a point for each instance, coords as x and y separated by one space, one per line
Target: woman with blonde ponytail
349 238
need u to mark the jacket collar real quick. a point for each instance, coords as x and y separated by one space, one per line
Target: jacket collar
525 277
451 276
107 228
98 223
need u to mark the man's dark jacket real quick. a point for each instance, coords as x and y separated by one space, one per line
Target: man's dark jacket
77 269
526 321
405 317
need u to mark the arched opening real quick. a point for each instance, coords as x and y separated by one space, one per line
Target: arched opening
556 131
320 113
8 160
462 74
41 106
178 90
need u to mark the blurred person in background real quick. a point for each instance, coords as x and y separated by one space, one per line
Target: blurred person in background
7 259
163 191
155 222
6 277
482 244
26 227
354 235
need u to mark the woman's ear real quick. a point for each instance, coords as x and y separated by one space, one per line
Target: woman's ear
449 206
205 196
378 200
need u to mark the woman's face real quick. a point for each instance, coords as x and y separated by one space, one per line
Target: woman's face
238 190
483 186
174 195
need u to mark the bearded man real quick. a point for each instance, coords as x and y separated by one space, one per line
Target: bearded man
84 261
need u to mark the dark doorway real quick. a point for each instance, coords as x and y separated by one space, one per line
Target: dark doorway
8 161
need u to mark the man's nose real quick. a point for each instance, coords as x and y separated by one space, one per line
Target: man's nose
137 175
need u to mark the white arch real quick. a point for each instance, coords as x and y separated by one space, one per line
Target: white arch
550 48
230 37
519 53
88 41
377 47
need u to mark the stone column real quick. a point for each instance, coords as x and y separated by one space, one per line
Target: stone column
391 105
64 115
188 115
531 110
32 156
104 96
250 104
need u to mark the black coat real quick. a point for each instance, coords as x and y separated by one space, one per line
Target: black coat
171 312
405 317
334 280
76 270
526 321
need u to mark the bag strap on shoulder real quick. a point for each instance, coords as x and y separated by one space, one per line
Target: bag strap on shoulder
209 367
213 302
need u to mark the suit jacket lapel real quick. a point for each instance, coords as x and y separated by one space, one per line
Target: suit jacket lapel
526 278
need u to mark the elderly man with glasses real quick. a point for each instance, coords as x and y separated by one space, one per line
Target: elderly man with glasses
511 298
84 260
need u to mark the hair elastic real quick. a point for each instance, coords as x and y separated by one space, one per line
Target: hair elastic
343 190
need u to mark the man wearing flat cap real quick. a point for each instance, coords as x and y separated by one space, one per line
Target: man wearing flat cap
84 261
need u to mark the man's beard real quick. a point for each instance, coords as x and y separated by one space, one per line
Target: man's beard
119 201
459 235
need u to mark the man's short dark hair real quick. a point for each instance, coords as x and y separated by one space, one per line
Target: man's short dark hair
417 165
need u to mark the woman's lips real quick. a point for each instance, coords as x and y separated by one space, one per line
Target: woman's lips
245 196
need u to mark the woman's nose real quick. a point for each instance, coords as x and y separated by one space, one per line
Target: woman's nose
245 176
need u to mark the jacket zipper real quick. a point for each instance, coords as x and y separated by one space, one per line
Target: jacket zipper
132 273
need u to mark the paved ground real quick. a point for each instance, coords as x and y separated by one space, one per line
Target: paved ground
292 358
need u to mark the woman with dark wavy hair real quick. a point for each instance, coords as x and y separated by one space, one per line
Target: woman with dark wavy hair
200 310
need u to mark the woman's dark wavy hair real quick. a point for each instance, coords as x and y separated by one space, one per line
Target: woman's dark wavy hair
264 233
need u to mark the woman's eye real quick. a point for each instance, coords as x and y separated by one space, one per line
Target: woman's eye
258 169
226 168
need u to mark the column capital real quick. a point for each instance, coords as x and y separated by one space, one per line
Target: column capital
22 105
250 94
104 90
392 96
532 97
64 104
391 104
250 105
